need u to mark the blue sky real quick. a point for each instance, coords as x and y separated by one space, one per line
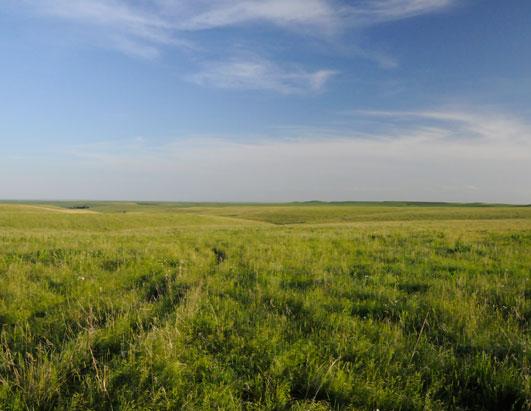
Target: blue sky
266 100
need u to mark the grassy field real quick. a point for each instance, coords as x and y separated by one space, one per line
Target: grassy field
304 306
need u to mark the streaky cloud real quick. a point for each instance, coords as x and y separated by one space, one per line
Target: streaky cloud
462 122
257 73
414 161
161 23
148 28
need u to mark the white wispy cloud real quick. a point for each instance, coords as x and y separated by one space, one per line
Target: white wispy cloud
462 123
256 73
134 48
145 28
376 11
465 156
154 19
287 13
133 30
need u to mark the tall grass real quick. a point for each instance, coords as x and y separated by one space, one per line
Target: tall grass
381 307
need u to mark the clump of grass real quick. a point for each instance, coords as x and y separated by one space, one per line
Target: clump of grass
219 254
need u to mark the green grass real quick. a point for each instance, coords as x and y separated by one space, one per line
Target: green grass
304 306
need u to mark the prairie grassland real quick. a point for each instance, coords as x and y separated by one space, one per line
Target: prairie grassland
304 307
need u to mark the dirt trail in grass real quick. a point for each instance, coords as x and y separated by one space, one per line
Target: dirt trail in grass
57 209
240 220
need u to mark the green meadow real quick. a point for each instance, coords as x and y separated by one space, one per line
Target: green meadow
347 306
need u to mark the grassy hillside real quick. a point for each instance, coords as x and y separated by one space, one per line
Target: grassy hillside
301 306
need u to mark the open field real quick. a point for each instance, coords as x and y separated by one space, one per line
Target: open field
302 306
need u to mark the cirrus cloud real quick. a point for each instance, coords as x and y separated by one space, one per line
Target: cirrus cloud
147 28
259 74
